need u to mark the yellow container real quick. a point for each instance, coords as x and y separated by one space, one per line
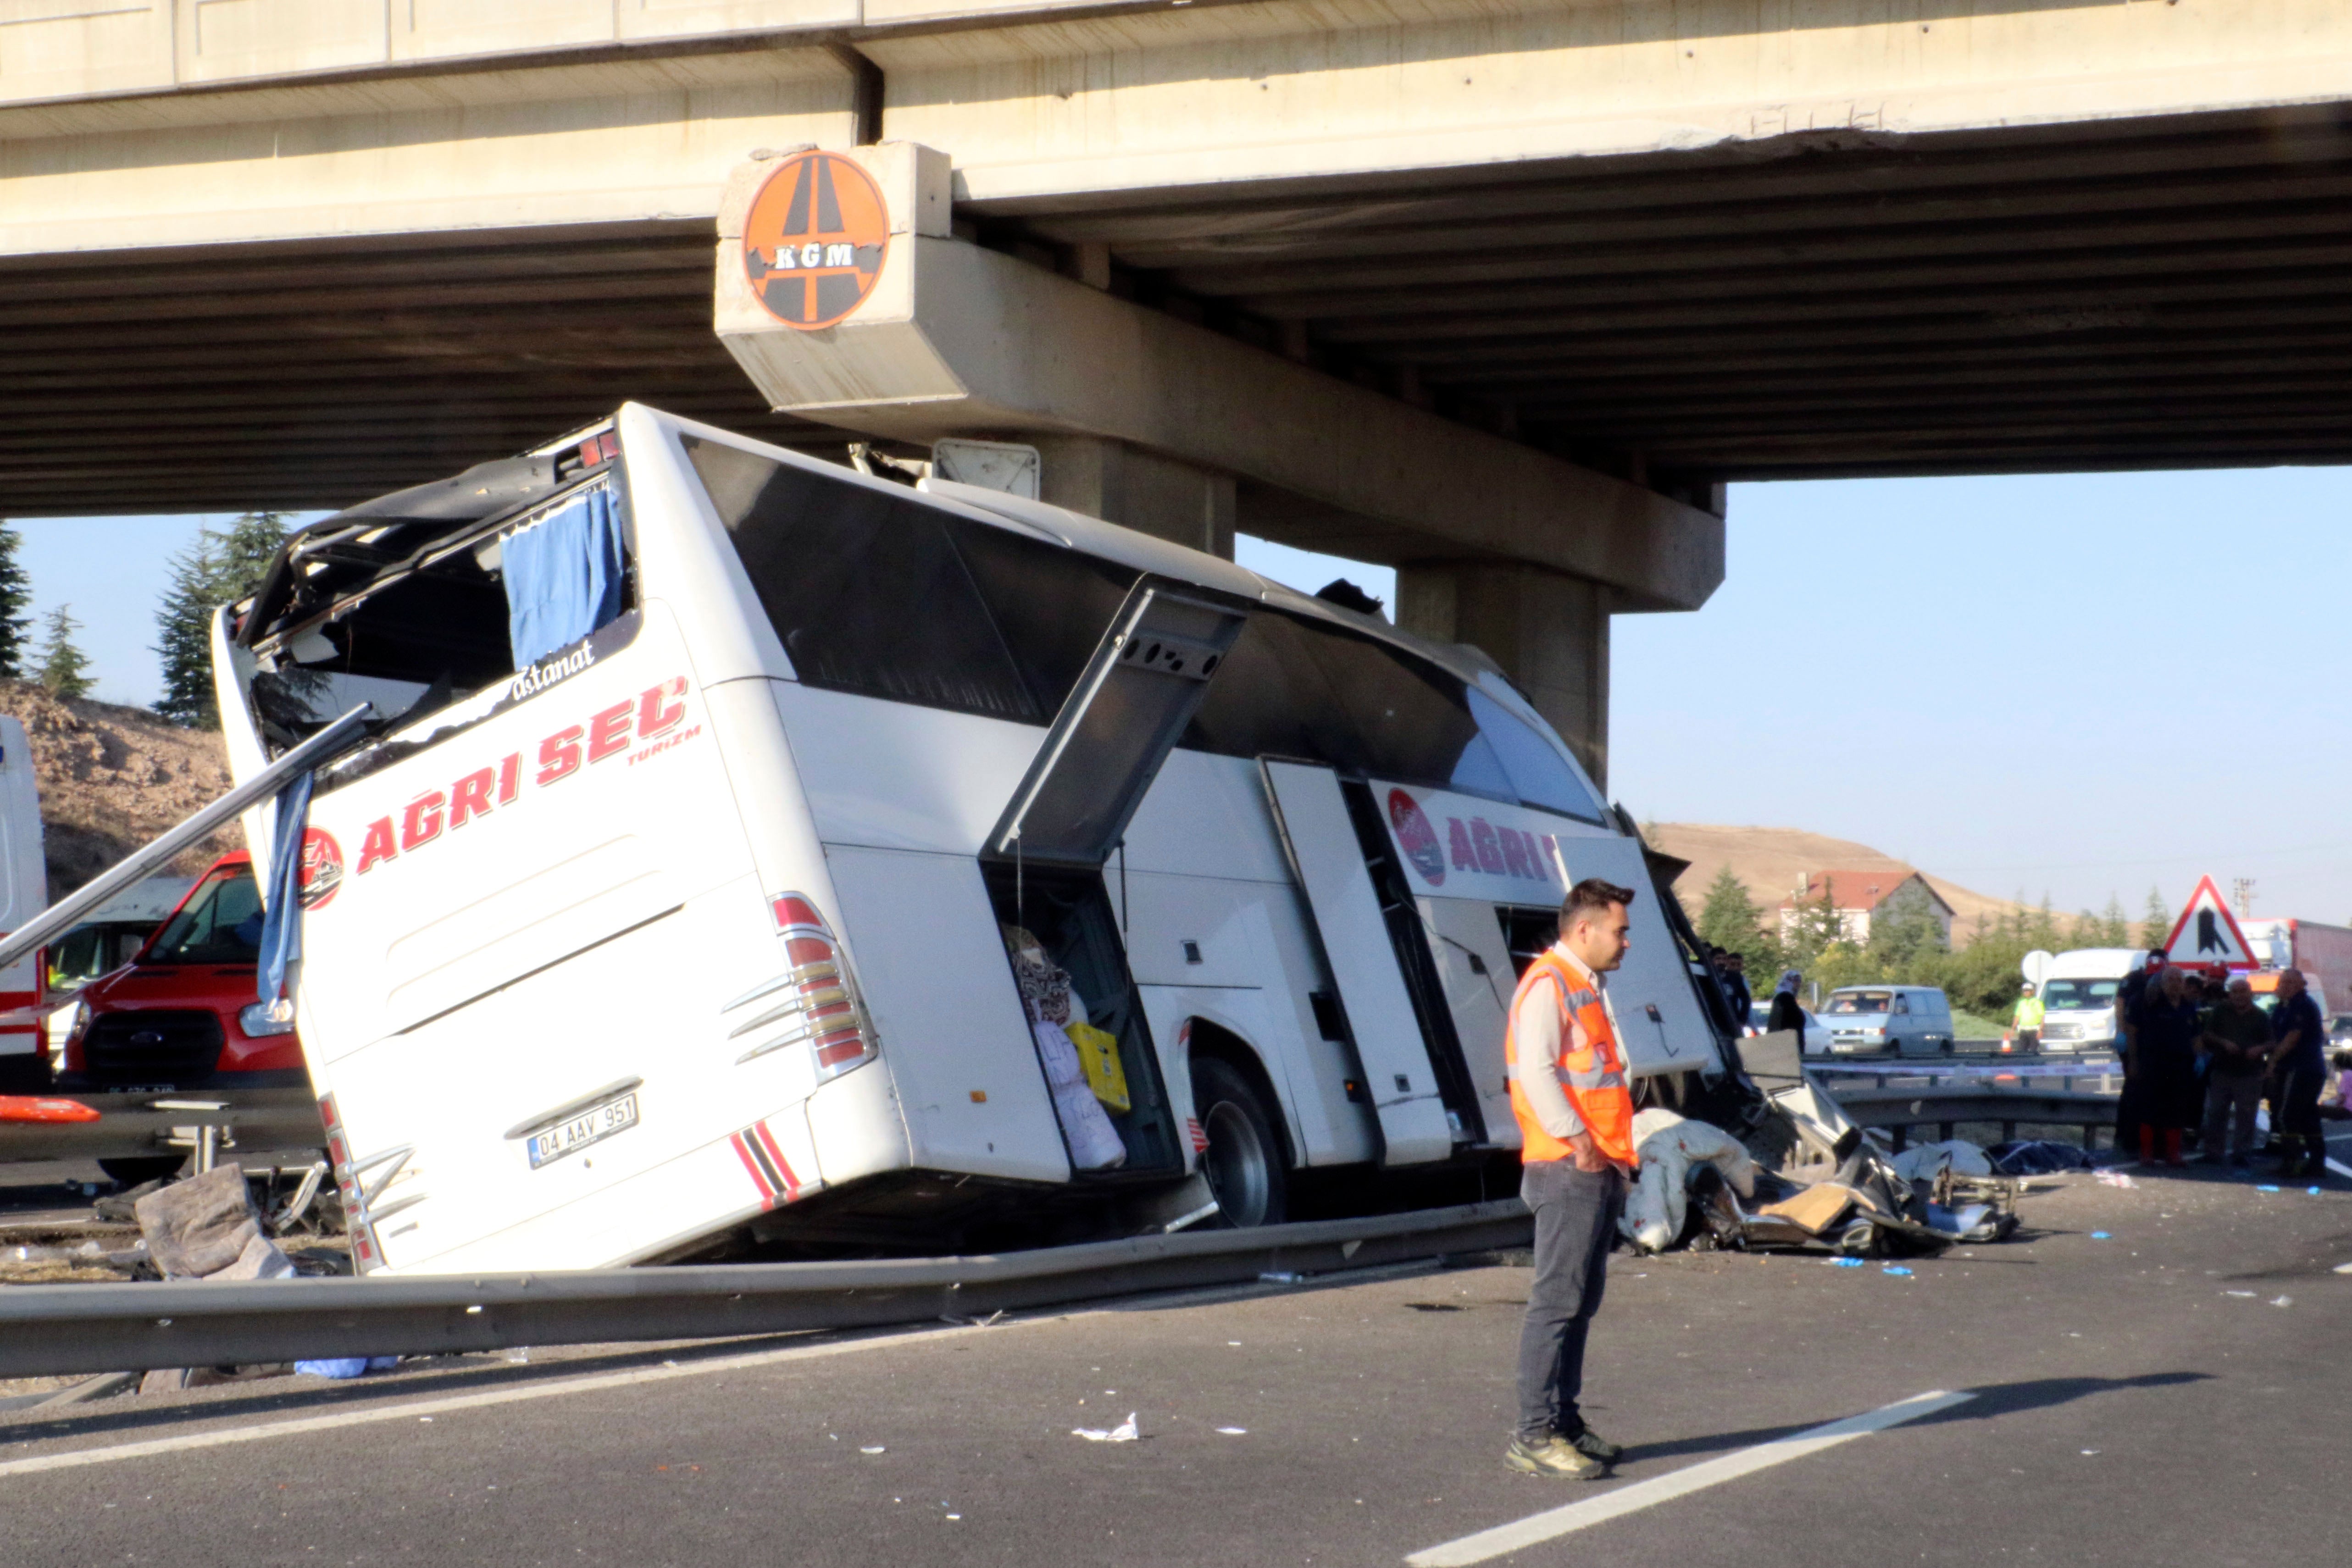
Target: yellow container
1099 1054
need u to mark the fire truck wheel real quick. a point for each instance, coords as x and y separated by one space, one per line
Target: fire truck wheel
1243 1159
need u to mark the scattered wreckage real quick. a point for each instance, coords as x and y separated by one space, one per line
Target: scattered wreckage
1802 1175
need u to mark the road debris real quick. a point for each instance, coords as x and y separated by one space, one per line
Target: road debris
2113 1178
2036 1156
1669 1145
1125 1432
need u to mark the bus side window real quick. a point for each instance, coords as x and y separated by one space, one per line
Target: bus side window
867 594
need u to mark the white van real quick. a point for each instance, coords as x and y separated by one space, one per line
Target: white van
1908 1020
24 893
2078 997
753 856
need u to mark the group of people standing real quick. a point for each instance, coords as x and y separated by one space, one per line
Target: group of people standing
2200 1056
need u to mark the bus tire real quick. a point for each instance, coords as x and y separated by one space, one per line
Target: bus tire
1243 1161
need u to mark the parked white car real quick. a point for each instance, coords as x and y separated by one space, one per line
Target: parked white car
1817 1034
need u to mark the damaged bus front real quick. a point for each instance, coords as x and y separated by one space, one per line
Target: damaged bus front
748 855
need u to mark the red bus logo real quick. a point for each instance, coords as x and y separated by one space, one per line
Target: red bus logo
322 869
1418 839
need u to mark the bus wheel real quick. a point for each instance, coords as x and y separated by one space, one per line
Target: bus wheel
1243 1159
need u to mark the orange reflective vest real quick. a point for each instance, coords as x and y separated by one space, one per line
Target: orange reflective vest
1593 1078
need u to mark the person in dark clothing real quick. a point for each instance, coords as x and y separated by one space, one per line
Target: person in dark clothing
1735 986
1786 1013
2236 1040
2129 997
2302 1066
2163 1063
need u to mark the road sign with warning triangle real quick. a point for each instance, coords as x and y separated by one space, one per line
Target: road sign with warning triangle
2207 933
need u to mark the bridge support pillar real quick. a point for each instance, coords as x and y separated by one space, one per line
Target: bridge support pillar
1549 631
1138 489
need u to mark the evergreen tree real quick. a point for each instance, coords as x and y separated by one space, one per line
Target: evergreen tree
1817 928
222 567
65 669
2115 929
16 601
2155 923
1730 920
1904 933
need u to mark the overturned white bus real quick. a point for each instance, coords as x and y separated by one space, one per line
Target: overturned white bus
752 854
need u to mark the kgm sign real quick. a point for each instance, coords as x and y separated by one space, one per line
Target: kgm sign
813 241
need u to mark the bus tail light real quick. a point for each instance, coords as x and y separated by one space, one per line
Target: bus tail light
814 1002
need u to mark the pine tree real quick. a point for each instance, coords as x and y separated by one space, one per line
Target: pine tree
1730 920
2115 927
222 567
2155 924
15 601
65 669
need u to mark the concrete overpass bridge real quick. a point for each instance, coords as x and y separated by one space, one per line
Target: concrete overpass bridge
1500 291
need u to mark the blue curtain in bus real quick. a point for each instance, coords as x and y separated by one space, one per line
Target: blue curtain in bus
281 918
563 575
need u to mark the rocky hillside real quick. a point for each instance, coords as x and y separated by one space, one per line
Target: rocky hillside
113 777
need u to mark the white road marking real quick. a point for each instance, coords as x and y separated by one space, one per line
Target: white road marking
1558 1521
425 1408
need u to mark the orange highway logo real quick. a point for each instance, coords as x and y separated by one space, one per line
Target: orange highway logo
813 243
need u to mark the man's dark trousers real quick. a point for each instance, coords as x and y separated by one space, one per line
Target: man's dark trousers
1576 1219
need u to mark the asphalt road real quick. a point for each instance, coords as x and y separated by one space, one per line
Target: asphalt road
2137 1400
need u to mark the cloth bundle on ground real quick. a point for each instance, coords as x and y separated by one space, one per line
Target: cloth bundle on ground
206 1227
1053 1009
1670 1145
1926 1162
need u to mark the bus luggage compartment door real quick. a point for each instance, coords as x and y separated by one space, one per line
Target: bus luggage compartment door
1328 861
1147 678
1659 1021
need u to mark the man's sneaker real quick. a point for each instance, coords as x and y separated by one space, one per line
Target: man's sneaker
1594 1446
1553 1456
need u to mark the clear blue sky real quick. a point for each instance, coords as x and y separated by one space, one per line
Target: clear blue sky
2077 684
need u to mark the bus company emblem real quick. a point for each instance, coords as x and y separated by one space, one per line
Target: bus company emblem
814 239
323 868
1417 838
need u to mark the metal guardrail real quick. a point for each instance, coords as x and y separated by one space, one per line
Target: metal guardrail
46 1329
248 1120
1944 1106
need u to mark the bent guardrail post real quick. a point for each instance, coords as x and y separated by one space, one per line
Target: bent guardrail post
66 914
47 1330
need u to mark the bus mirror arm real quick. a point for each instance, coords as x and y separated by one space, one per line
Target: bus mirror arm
69 912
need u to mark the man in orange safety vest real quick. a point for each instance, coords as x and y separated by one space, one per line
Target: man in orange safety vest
1576 1131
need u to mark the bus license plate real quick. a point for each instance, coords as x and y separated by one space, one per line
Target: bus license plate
613 1116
